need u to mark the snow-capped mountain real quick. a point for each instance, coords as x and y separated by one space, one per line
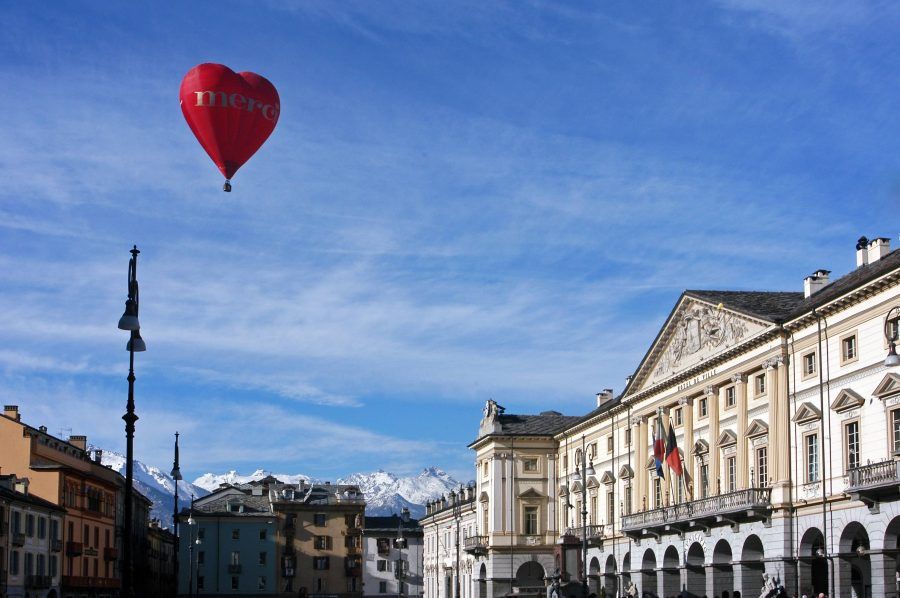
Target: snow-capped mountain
156 485
385 492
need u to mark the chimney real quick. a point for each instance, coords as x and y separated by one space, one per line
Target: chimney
878 248
604 395
98 455
12 412
79 441
22 485
815 282
257 490
862 252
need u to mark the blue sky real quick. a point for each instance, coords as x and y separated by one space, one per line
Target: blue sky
461 201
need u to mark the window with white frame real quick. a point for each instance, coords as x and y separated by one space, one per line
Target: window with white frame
811 454
703 407
678 416
851 444
849 348
531 521
657 492
609 443
895 431
530 464
610 507
730 397
627 500
809 364
759 384
762 466
704 480
731 473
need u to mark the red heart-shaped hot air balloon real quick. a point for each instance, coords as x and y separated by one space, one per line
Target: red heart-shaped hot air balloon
231 114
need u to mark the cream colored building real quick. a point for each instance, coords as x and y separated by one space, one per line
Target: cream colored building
787 422
451 541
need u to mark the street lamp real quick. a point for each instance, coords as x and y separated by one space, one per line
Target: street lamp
400 544
129 321
176 477
457 515
582 475
891 332
191 522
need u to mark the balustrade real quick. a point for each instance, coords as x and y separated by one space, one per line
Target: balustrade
733 503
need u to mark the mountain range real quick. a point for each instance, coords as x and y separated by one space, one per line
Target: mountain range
386 493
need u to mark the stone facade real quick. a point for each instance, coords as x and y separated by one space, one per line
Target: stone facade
382 552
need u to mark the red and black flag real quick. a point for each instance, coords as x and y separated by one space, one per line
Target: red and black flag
673 457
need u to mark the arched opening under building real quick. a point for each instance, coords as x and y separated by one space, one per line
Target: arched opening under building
482 581
626 571
813 566
649 587
854 565
694 564
752 566
594 576
723 570
610 582
891 573
530 579
671 573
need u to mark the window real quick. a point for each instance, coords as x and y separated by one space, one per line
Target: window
762 467
809 364
319 519
14 562
531 521
262 558
610 507
96 537
609 443
201 557
201 582
759 384
235 557
320 585
628 499
262 534
811 444
382 587
54 530
235 582
530 464
261 584
628 437
730 395
323 542
17 523
320 563
895 431
86 536
593 514
578 457
42 528
54 566
201 533
235 534
849 349
851 444
703 407
704 480
565 462
484 469
731 471
678 417
381 565
29 563
29 525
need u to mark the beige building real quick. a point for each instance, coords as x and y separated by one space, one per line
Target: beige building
787 422
451 543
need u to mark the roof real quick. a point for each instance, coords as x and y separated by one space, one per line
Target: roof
606 406
772 306
12 495
545 424
390 523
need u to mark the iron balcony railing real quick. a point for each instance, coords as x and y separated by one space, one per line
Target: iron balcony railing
873 475
723 504
594 532
475 544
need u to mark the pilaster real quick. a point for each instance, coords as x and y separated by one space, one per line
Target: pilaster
713 401
740 392
687 414
640 474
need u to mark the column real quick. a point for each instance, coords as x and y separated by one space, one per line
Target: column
779 445
495 515
884 582
687 410
640 471
510 494
552 498
740 397
712 398
775 432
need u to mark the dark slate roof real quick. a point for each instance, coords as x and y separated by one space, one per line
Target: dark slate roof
389 523
848 282
601 409
771 306
12 495
546 424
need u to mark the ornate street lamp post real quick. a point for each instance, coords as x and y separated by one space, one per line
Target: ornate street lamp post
176 477
401 544
582 473
129 321
891 332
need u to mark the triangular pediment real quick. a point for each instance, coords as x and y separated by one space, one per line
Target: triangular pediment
847 399
701 447
607 478
625 472
807 412
563 489
592 482
889 386
727 438
757 428
531 493
576 486
695 332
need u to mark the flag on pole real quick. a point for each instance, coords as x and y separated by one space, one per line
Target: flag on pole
673 457
659 445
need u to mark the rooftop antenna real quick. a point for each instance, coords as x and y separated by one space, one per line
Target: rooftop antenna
65 433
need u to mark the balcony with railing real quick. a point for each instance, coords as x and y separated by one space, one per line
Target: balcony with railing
38 582
594 533
74 548
77 581
476 545
874 482
724 509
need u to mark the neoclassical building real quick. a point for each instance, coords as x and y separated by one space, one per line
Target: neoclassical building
787 425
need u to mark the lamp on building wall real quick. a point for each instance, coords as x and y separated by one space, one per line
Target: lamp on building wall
129 321
401 544
891 333
582 473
